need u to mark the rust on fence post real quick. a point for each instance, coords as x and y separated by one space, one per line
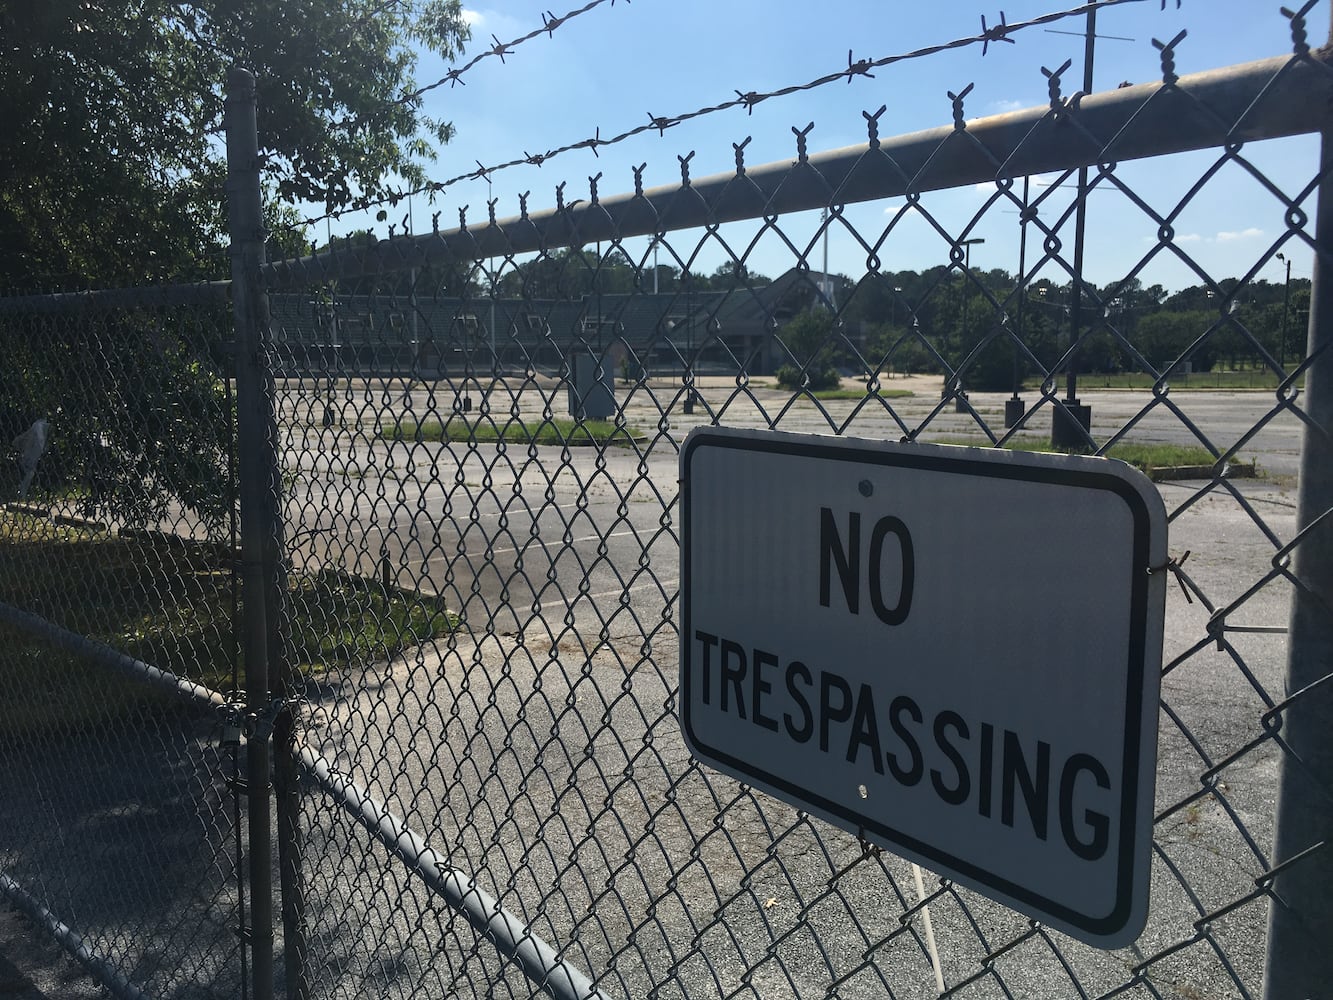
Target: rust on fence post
254 423
1300 922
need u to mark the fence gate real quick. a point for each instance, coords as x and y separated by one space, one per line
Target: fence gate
121 807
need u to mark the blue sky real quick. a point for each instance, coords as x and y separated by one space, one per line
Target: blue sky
612 66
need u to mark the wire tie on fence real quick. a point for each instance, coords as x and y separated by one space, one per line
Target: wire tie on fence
990 959
1299 37
1168 50
1174 567
872 125
1053 85
801 137
959 123
1265 881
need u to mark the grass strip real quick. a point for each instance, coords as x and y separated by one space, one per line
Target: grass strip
169 602
1142 455
556 431
858 394
1259 378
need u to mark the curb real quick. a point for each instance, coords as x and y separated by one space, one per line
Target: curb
1237 470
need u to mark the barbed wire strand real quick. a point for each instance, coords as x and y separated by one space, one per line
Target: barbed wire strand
989 34
499 50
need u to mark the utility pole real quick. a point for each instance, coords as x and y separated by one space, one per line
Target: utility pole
1071 420
960 400
1300 912
1286 309
1014 408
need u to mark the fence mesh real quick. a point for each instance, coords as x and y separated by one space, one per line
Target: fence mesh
116 558
494 440
478 437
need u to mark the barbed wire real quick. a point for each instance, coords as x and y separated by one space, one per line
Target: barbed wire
989 34
499 50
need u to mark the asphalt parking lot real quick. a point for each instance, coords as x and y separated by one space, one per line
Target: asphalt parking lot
537 746
510 530
564 564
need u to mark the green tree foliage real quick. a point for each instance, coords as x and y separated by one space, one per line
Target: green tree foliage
1164 339
141 423
810 342
565 275
113 162
901 316
114 175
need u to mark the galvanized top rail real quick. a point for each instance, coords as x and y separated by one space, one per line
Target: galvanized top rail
1270 98
152 296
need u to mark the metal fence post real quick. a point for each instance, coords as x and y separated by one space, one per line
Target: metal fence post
1300 922
287 783
255 462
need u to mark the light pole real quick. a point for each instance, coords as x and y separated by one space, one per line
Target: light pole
1071 420
967 245
1014 408
1286 308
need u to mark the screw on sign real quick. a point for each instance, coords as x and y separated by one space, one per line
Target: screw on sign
853 642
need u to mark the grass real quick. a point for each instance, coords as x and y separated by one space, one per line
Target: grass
1162 456
168 602
343 619
1256 378
1143 456
571 433
858 394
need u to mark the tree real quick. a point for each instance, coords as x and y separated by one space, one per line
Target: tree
1164 339
113 165
809 340
114 174
140 421
729 275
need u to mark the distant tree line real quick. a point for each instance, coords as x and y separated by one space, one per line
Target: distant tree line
933 320
922 321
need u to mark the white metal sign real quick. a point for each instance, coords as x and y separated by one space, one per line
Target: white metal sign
953 652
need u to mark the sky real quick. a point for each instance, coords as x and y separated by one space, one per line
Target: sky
611 68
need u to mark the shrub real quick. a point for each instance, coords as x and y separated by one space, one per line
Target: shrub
791 377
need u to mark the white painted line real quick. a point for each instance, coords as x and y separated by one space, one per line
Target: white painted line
665 585
560 543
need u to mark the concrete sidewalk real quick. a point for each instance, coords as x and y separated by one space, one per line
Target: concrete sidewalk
34 967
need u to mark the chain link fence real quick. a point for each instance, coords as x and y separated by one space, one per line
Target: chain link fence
490 419
458 479
118 608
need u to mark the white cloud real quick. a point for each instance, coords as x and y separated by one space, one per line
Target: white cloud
472 17
1004 107
1244 234
1179 238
